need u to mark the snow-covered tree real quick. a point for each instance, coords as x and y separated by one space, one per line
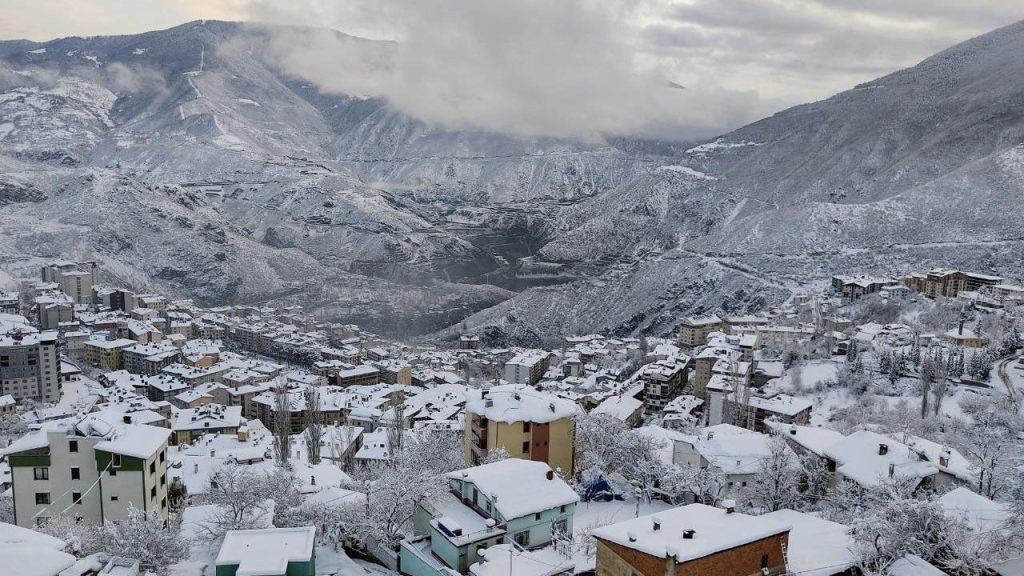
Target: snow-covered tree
143 536
248 498
707 485
989 442
775 485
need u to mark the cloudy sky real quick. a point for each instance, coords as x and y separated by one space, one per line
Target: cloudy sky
566 67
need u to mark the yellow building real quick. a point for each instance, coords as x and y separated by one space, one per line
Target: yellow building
106 354
528 424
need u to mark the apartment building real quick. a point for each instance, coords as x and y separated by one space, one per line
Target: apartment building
93 469
30 366
150 359
527 367
694 330
106 354
663 380
511 501
74 278
528 424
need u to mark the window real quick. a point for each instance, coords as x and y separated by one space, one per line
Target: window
162 455
42 497
113 472
764 561
113 498
561 510
526 426
152 467
76 497
163 479
41 473
522 538
152 492
76 474
163 502
41 521
526 447
536 516
116 460
560 527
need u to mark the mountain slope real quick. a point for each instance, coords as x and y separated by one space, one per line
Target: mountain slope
920 168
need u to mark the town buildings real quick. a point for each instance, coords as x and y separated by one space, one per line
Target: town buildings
527 367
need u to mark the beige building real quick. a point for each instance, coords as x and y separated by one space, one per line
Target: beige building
75 279
694 331
93 470
526 423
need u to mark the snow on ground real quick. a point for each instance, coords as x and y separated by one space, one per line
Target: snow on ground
247 101
331 562
686 170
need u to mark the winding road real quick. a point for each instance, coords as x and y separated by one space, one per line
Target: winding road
1005 376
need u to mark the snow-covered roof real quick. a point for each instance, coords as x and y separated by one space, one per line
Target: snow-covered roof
911 565
621 407
980 513
500 561
812 438
817 547
733 449
518 487
859 458
211 416
781 404
715 530
267 551
29 553
948 460
136 441
517 403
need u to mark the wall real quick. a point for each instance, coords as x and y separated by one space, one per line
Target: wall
616 560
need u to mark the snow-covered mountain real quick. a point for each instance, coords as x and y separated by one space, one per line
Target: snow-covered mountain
187 160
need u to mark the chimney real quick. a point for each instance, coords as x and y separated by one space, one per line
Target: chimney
961 329
631 535
552 406
689 534
729 505
883 449
126 419
195 468
892 470
656 523
312 480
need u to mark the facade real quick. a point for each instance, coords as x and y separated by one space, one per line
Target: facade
106 354
95 469
30 366
856 287
511 501
527 367
528 424
150 359
694 540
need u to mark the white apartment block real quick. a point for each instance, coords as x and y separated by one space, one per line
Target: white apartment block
93 470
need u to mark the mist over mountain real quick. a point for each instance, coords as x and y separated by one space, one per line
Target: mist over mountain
199 161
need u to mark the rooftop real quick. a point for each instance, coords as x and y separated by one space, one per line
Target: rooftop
267 551
715 530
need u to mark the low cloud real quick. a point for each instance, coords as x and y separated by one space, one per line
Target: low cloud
530 67
131 79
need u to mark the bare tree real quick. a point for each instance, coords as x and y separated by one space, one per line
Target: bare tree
282 424
314 424
774 486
